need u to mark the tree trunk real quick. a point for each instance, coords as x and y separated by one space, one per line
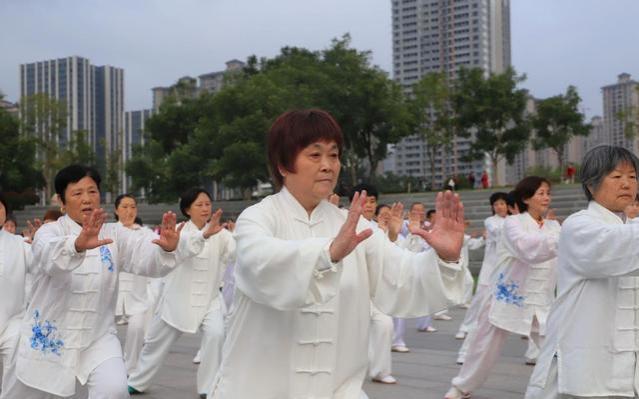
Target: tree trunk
495 160
432 168
560 161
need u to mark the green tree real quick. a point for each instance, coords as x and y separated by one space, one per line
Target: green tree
18 172
491 109
557 121
77 150
629 118
44 119
433 114
222 136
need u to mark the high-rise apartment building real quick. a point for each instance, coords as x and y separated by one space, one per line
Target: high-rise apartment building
93 96
621 112
444 36
134 124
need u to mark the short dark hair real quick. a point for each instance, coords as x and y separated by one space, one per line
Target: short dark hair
11 218
526 188
119 199
73 174
599 162
430 212
494 197
371 190
4 202
380 207
188 198
510 199
52 214
294 130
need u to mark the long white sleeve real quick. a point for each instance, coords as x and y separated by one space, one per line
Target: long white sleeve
283 274
139 255
55 253
408 284
529 246
600 250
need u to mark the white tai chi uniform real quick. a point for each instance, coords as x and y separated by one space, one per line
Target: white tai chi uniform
522 295
15 264
190 300
380 338
136 304
68 332
592 341
494 225
299 323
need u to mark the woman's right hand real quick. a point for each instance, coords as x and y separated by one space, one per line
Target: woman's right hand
348 239
91 226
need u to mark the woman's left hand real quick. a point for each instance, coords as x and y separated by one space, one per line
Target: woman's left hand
447 235
169 234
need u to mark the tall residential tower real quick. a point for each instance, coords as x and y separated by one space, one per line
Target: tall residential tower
444 36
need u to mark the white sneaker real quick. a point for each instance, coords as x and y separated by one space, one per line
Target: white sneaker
442 316
122 321
464 305
399 348
460 335
196 359
454 393
387 379
427 329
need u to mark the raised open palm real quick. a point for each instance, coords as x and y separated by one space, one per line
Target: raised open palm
447 235
91 226
348 239
169 234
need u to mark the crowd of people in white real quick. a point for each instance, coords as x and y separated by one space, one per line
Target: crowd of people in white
302 298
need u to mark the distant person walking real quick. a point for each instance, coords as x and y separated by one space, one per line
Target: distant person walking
471 180
571 171
484 180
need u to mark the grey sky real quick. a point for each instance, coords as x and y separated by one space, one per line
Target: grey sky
586 43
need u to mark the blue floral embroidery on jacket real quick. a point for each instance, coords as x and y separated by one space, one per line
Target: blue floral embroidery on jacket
45 336
105 256
508 292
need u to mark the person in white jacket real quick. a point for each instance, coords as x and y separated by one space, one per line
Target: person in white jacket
191 298
68 331
523 290
306 273
493 226
134 301
15 264
592 344
381 327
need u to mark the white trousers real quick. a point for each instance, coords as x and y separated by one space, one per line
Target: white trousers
399 331
134 341
550 391
424 322
379 344
482 295
106 381
162 336
8 348
484 348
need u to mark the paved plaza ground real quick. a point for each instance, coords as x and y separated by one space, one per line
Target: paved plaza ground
424 373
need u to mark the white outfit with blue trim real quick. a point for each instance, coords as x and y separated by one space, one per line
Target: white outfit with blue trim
69 331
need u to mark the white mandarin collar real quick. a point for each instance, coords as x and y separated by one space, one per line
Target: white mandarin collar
297 210
70 225
607 215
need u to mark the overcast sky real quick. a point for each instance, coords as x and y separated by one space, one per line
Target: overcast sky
586 43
